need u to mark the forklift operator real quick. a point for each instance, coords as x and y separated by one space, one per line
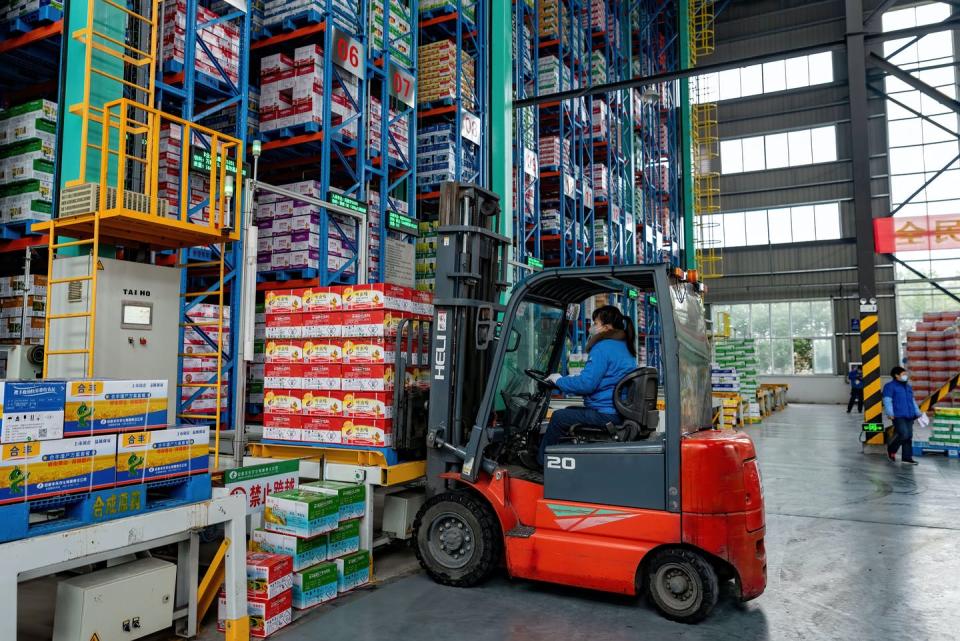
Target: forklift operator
612 355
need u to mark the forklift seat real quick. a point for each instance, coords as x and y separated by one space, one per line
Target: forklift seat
635 398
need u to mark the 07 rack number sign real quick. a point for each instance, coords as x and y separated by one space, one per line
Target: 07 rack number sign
402 85
348 53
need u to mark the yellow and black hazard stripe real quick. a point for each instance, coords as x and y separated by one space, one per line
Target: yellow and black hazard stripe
945 389
872 392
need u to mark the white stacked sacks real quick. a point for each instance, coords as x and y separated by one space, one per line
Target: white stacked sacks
27 154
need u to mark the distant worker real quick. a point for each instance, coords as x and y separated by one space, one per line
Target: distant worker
612 355
899 405
855 377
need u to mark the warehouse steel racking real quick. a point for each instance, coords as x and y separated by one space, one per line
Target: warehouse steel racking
212 274
526 164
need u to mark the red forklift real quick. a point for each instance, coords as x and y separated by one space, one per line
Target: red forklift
669 508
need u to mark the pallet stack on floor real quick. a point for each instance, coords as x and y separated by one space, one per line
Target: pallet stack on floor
738 358
933 357
16 322
78 452
308 552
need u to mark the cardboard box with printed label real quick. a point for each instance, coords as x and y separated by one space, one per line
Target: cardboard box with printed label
315 585
368 378
161 454
285 326
322 403
322 324
371 350
353 570
322 376
268 575
114 406
283 351
323 351
282 401
322 299
373 323
368 405
283 301
38 469
266 616
368 431
303 514
344 540
31 410
350 496
303 552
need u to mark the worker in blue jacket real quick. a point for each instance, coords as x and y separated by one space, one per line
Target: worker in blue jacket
899 405
612 354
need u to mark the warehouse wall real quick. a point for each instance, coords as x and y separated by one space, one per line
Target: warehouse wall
825 269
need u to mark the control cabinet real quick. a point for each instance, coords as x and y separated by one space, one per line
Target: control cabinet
125 602
137 321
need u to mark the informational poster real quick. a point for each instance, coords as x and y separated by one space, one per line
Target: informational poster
400 263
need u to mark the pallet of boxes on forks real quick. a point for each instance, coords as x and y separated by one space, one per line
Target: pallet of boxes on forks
329 370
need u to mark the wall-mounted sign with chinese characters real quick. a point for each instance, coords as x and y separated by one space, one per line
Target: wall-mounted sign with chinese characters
257 481
916 233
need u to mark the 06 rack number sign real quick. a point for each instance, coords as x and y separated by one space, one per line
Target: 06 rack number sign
348 52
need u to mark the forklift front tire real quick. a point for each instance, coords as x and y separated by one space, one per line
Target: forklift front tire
458 539
682 585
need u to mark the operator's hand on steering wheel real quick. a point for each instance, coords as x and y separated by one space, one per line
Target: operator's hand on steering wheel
553 378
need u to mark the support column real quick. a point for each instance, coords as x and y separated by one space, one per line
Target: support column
686 151
501 114
863 216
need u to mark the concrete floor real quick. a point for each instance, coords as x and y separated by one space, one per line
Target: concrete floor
858 548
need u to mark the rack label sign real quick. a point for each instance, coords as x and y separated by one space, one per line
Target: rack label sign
470 128
399 222
348 52
347 203
403 86
530 164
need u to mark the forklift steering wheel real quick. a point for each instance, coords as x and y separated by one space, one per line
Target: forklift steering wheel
539 377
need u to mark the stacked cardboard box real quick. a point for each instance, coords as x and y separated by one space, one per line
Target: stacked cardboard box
740 355
329 370
401 34
269 594
288 233
15 322
946 426
427 256
553 76
345 12
437 156
27 153
255 370
554 18
398 140
292 91
449 6
437 74
11 9
201 367
221 38
550 153
933 355
69 437
317 525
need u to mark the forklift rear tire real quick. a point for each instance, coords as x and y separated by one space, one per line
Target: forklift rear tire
682 585
458 537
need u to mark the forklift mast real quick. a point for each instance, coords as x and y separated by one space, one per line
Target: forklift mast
471 277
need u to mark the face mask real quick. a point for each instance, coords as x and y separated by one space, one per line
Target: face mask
594 329
904 378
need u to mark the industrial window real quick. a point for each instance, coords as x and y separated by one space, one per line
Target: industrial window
770 77
798 224
775 151
792 338
922 152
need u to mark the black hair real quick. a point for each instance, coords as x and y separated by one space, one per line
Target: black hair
896 371
612 316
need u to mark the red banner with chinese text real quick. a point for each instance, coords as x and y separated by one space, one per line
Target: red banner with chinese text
916 233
